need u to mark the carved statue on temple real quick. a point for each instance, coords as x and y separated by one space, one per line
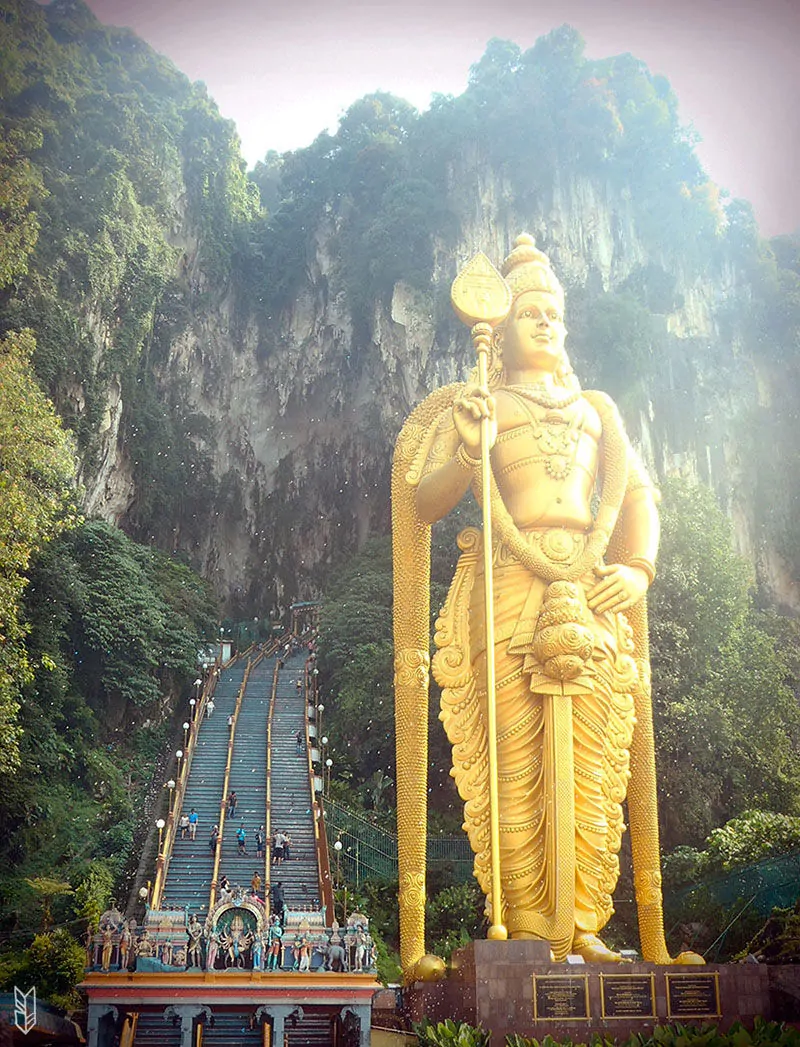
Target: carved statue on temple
108 945
212 950
235 941
302 953
274 937
546 615
195 932
125 940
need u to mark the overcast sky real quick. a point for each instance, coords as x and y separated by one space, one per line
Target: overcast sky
286 71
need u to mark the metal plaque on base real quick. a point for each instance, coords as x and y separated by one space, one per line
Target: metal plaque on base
693 996
560 997
628 995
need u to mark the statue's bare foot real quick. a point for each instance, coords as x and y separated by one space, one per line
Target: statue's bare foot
689 957
593 950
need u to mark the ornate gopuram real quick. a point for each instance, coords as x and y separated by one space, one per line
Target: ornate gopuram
226 945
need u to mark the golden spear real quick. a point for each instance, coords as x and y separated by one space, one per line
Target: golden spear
482 299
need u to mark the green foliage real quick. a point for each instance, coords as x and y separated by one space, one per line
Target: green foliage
132 616
223 200
356 662
726 718
19 181
763 1034
114 628
93 892
778 940
752 836
453 917
54 963
111 144
450 1034
387 963
37 471
622 338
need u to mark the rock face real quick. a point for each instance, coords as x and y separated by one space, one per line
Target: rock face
302 435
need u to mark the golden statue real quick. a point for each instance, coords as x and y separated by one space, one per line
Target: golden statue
555 630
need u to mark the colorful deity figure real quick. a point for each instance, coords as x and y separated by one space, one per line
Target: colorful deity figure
235 941
275 938
360 951
124 946
302 953
258 951
107 948
542 644
195 932
212 951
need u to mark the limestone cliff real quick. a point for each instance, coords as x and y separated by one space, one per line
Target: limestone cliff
236 375
302 438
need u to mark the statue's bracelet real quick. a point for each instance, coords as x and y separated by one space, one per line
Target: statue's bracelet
644 565
465 460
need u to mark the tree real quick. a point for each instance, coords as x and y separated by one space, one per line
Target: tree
37 470
726 718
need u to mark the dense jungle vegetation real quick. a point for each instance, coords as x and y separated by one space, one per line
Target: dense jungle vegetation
106 149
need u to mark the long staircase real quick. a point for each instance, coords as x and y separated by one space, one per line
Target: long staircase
271 775
291 807
248 777
188 882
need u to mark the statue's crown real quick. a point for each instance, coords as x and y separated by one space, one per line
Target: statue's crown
528 269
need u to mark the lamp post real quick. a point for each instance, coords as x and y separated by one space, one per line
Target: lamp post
328 765
322 743
160 823
320 711
192 704
171 786
179 754
186 727
144 894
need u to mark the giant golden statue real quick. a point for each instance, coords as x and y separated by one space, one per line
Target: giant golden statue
555 630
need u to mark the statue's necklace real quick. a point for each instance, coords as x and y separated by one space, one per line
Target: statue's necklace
556 436
545 397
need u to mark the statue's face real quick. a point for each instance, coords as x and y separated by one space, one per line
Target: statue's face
534 332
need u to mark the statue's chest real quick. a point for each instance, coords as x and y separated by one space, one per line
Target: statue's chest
534 440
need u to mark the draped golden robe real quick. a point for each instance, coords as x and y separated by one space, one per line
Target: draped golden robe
558 853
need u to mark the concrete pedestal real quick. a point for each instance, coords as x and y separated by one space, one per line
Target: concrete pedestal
492 984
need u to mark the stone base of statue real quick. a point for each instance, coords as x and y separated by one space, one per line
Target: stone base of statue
512 987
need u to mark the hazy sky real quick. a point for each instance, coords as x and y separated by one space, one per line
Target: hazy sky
286 71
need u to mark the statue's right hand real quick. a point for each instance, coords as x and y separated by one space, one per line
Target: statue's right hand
469 410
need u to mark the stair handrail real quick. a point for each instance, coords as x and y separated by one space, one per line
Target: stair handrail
268 795
318 813
212 897
176 800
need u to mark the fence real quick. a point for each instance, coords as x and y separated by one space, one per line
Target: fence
370 853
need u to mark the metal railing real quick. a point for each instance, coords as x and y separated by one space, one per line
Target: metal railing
370 853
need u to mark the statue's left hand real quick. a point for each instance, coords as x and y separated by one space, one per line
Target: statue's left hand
619 589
